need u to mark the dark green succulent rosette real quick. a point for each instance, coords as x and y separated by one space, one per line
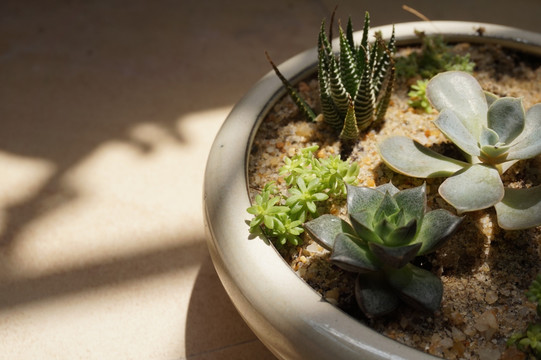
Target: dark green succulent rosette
388 228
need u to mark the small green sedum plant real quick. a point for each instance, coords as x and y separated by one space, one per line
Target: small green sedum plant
309 181
388 228
530 341
355 86
493 133
417 96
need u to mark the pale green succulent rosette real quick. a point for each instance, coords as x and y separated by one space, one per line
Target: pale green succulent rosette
388 228
493 133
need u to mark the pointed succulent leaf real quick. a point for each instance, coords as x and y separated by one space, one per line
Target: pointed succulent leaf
455 130
350 131
325 228
528 144
374 295
412 201
461 93
362 223
437 225
386 208
520 208
402 235
303 106
506 117
384 99
351 255
348 71
389 188
408 157
418 287
476 188
395 257
365 99
384 228
361 198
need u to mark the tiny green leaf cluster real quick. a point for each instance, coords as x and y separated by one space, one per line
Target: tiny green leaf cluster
309 181
435 57
388 228
530 342
493 134
417 96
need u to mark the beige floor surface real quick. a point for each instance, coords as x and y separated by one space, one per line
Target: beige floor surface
107 113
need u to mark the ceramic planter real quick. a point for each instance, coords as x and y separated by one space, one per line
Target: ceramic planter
289 317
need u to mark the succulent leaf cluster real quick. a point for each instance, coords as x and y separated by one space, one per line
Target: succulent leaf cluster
493 134
309 181
355 85
387 229
417 95
530 341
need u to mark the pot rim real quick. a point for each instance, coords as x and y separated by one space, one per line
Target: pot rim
299 323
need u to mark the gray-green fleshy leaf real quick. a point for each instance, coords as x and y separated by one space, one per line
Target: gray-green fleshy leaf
395 257
490 97
436 226
520 208
402 235
455 130
418 287
408 157
360 198
461 93
388 187
351 255
362 223
478 187
325 228
488 137
374 295
506 116
412 201
528 144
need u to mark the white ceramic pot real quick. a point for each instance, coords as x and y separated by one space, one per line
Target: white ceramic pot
289 317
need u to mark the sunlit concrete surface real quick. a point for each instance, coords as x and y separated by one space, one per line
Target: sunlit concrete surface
107 113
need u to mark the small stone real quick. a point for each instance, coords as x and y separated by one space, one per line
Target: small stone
491 297
488 353
487 324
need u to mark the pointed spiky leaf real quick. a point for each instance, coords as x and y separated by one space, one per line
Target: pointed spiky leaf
348 69
364 101
349 34
337 89
303 106
385 98
350 131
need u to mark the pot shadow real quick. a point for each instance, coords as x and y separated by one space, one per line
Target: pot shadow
214 328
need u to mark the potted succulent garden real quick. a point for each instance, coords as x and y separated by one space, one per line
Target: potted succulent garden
383 232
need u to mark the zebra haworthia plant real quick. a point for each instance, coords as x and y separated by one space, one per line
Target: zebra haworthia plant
493 133
354 86
388 228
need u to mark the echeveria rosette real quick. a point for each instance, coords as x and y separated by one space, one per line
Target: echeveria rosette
493 133
388 228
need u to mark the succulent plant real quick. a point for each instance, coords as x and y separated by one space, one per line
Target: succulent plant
310 181
493 133
354 86
388 228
